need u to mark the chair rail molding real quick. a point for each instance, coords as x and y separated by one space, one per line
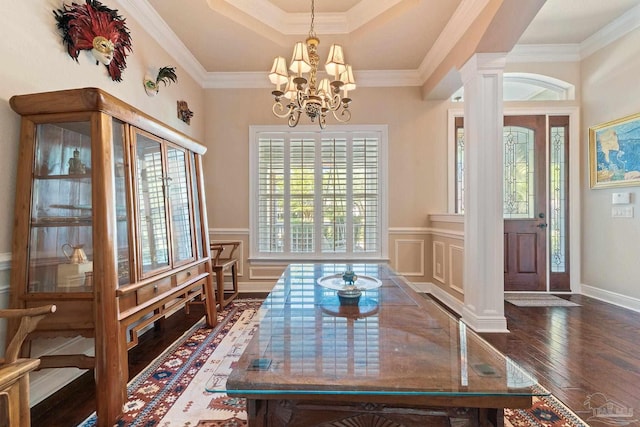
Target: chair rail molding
408 230
227 231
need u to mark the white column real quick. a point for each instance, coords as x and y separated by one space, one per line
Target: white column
483 273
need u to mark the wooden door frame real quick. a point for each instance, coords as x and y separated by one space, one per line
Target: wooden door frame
576 154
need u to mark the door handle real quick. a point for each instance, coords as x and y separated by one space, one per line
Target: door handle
542 225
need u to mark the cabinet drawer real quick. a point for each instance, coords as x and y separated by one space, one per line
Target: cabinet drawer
188 274
153 290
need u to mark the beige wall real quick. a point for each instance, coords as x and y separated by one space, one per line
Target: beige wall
417 146
417 163
610 248
35 60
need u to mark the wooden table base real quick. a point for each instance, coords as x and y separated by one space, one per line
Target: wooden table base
298 413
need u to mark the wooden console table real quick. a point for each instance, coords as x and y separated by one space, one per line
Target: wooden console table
394 359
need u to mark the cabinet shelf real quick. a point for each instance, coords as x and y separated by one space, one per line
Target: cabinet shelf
78 207
56 221
74 177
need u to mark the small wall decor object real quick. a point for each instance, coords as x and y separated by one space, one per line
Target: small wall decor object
93 26
166 75
614 153
184 113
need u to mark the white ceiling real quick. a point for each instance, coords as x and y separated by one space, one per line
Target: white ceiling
243 36
573 21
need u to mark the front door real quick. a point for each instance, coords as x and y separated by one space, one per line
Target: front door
536 200
525 206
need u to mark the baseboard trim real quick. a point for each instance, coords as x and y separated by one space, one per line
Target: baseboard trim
447 299
46 382
50 381
614 298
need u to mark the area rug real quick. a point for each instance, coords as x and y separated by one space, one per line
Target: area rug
172 390
538 300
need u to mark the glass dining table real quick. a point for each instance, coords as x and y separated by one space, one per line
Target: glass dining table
391 357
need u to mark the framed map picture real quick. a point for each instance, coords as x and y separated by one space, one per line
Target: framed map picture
614 153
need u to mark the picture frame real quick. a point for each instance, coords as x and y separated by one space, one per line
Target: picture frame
614 153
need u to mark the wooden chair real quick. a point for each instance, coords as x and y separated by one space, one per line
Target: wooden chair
223 259
14 371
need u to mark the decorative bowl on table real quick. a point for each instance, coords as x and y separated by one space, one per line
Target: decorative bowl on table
349 289
349 295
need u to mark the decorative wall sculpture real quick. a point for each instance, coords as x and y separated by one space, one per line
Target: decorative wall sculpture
184 113
93 26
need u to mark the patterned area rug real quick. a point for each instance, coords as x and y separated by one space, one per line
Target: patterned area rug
538 300
172 391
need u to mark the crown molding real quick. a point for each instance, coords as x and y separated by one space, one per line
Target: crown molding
153 24
298 23
237 80
611 32
367 10
281 21
544 53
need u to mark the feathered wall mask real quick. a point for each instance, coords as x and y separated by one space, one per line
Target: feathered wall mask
95 27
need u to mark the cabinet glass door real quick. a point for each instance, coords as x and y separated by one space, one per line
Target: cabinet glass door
60 241
181 224
121 191
196 206
152 220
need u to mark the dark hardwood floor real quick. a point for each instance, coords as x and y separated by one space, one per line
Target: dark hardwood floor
577 352
574 352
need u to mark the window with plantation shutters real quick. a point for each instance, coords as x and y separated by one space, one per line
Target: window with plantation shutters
318 195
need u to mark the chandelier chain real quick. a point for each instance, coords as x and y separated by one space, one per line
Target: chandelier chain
312 32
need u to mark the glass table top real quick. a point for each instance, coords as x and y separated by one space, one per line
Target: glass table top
394 341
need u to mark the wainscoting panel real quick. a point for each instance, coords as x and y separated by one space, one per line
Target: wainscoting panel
409 259
439 262
266 272
456 268
447 242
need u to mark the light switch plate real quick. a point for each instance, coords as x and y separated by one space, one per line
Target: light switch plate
620 198
622 212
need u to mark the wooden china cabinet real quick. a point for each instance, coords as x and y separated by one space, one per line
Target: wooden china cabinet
110 226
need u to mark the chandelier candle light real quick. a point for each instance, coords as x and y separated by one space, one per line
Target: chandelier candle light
305 95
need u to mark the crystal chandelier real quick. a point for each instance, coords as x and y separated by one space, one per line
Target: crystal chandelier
303 95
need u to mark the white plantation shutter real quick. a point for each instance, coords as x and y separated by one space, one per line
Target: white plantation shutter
335 184
271 198
301 189
366 195
318 194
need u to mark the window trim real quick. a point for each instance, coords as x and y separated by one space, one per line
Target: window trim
254 132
